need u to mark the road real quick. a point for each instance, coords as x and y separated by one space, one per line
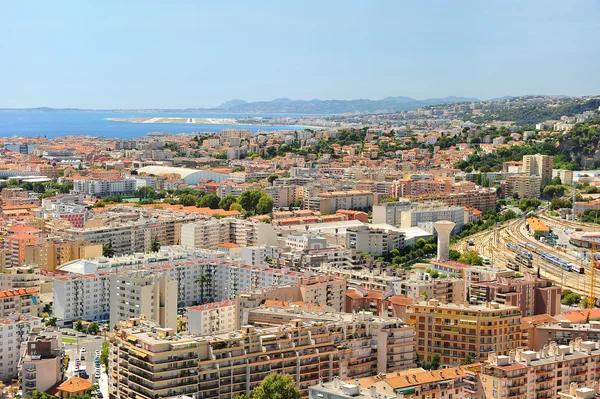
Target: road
492 244
91 344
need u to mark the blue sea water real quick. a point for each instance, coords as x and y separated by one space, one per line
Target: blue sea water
75 123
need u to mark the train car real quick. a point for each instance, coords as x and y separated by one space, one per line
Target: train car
532 248
577 268
513 266
518 250
485 260
556 261
524 261
522 244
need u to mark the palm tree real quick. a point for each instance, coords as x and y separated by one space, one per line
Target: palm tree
202 280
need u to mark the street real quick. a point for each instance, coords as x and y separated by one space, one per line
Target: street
91 343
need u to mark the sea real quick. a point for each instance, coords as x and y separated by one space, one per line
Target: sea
75 123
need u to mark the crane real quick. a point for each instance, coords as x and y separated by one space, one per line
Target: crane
592 289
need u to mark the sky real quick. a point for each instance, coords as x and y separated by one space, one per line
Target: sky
179 54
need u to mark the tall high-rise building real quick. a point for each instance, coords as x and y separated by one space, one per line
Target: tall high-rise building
538 165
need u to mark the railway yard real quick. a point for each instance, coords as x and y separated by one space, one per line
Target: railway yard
511 246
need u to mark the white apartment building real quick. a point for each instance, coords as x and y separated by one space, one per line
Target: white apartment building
424 216
390 212
152 294
104 187
14 329
211 233
212 318
86 294
330 202
301 242
373 241
254 255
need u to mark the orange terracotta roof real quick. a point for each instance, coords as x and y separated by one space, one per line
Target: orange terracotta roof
75 385
17 292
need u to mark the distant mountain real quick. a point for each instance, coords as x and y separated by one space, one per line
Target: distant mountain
231 103
501 98
388 104
289 106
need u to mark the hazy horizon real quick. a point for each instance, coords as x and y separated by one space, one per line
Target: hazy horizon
145 55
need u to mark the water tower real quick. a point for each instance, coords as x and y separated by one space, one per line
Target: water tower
443 228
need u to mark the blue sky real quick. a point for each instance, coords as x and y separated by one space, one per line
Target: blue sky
145 54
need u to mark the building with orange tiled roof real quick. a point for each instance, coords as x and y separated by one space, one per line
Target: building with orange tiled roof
74 386
15 246
19 300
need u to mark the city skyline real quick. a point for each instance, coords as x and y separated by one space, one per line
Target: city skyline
140 55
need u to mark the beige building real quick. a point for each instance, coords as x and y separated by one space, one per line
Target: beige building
212 318
523 186
373 241
19 300
151 294
21 277
538 165
328 203
543 374
456 332
211 233
148 362
54 253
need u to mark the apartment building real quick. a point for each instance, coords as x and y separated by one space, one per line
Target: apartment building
522 187
15 245
418 383
373 241
483 199
213 318
104 187
565 176
448 289
54 253
330 202
538 165
255 255
283 196
84 292
211 233
390 212
531 294
301 242
19 300
41 366
338 389
27 277
542 374
153 362
14 329
151 294
425 215
456 331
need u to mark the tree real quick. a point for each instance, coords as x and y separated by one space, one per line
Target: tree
41 395
468 360
47 308
188 199
93 328
227 201
265 205
13 183
272 178
104 355
51 322
277 386
453 254
240 396
298 204
202 280
249 199
79 326
209 201
471 258
107 250
236 207
145 192
155 245
556 181
569 298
